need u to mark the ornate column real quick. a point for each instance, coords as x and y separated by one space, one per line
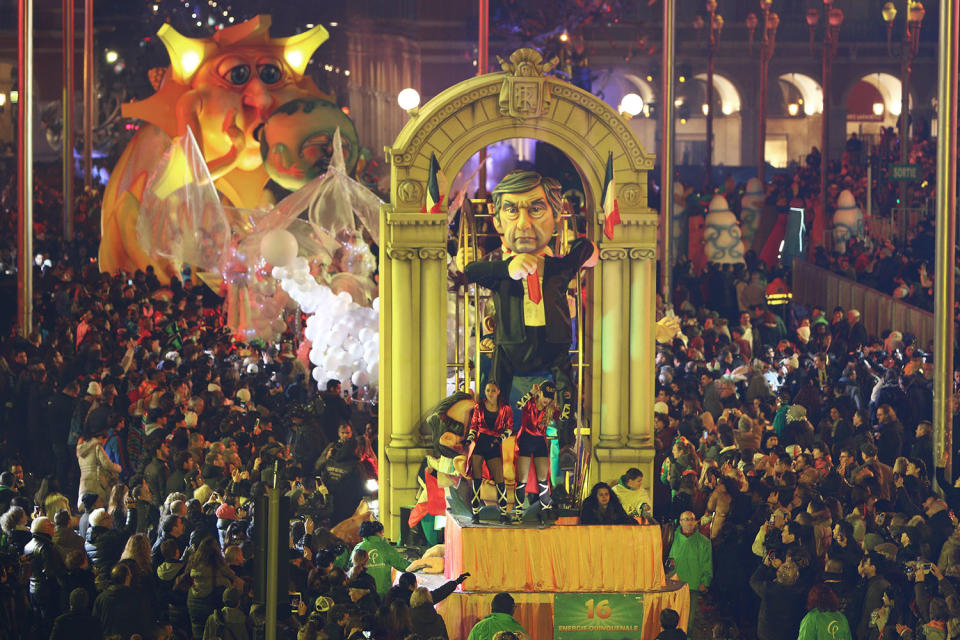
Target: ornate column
612 261
626 319
433 323
642 345
412 344
403 339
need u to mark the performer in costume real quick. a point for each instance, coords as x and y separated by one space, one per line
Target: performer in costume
491 424
538 411
450 415
529 286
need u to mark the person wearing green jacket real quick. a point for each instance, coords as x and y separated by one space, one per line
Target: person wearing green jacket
382 555
500 619
692 555
824 620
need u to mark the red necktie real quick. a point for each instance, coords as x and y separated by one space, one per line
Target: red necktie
533 288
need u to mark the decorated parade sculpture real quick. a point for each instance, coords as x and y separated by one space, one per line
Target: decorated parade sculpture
751 205
721 236
223 88
847 221
533 325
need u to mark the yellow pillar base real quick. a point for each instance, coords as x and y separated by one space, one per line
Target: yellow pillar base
404 463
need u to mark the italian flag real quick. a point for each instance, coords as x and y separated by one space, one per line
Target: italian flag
611 211
436 185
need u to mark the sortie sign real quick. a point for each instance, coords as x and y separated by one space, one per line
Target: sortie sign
904 172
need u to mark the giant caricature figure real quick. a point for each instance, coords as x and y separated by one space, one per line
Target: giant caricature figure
721 236
223 88
529 291
847 221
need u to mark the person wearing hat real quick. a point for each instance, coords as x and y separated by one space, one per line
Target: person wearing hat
46 566
226 515
104 543
229 621
98 473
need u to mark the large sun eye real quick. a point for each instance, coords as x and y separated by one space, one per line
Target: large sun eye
270 73
239 74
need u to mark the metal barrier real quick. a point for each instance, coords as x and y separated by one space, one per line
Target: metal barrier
815 286
899 227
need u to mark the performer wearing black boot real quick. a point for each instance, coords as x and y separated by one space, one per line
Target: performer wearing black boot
491 424
528 287
539 409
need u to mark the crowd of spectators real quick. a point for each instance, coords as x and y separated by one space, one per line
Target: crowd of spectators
139 439
800 449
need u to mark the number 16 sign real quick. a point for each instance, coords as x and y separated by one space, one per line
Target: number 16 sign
597 616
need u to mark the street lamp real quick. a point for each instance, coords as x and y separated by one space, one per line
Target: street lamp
908 51
751 27
813 18
714 24
889 13
831 37
771 21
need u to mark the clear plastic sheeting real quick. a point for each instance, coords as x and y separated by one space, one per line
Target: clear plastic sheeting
183 220
335 198
181 217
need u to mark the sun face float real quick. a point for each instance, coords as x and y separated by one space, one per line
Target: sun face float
225 89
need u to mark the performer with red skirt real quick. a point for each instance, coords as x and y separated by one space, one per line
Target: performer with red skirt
491 424
538 411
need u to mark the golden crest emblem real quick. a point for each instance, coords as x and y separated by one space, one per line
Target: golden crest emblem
524 93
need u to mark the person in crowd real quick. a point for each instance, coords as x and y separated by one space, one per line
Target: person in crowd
424 617
407 583
46 568
120 608
693 559
490 424
210 576
98 473
104 544
603 506
669 625
775 583
382 556
77 623
633 497
500 619
228 621
869 593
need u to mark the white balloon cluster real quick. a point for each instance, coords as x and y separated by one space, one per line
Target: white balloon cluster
344 335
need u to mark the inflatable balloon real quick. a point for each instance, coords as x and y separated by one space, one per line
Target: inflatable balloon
296 142
721 236
847 221
279 247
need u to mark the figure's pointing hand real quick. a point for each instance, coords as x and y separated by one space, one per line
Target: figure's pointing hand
522 265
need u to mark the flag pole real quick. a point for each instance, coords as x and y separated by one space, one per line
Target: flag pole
666 150
943 281
25 168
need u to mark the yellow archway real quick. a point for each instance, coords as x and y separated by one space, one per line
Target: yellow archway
518 102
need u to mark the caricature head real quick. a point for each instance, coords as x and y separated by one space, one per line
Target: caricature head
526 208
296 142
237 77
